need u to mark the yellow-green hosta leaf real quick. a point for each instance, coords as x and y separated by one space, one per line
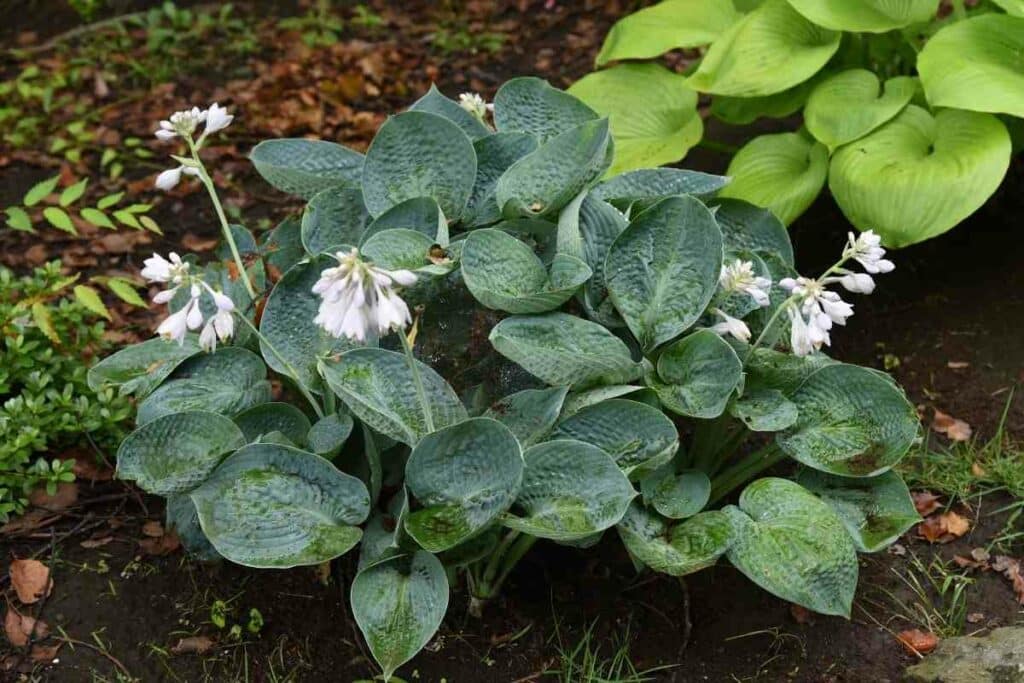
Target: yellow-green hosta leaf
919 175
666 26
769 50
659 131
1014 8
90 298
783 173
975 64
867 16
853 103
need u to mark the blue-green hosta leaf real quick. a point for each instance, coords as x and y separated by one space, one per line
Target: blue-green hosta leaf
793 545
494 154
764 410
271 506
633 434
175 453
379 388
661 131
288 325
852 422
570 490
663 269
532 105
676 495
283 247
666 26
227 381
651 184
544 181
399 605
851 104
919 175
530 414
876 511
578 400
333 218
274 417
564 350
436 103
181 518
675 548
769 369
244 241
769 50
745 226
140 368
304 167
471 551
698 375
384 531
600 224
329 434
782 172
421 214
463 477
416 154
403 249
866 16
503 273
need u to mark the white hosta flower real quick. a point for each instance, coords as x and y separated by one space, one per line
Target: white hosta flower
181 123
813 314
217 118
158 269
474 104
730 325
221 324
858 283
358 297
170 178
188 317
867 250
739 276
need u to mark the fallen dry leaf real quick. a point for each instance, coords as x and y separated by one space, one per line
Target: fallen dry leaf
87 468
954 428
31 580
45 653
975 618
943 528
96 542
30 521
194 242
957 364
1011 569
978 471
153 529
800 614
64 497
20 627
925 502
192 645
918 642
161 545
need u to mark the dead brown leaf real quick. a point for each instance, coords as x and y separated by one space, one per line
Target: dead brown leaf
90 543
64 497
45 653
21 628
975 618
800 614
192 645
30 521
943 528
957 364
31 580
162 545
1011 569
194 242
87 468
918 642
925 502
954 428
153 528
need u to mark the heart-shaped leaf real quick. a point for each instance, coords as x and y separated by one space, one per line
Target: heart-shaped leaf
670 124
274 417
181 518
304 167
329 434
648 185
495 154
333 218
380 389
852 422
866 16
175 453
463 477
793 545
283 248
1015 8
666 26
698 375
675 548
530 414
742 111
851 104
275 506
599 226
769 50
783 173
402 249
436 103
531 105
578 400
676 495
919 175
384 532
745 226
663 269
764 410
140 368
399 605
570 490
416 154
876 511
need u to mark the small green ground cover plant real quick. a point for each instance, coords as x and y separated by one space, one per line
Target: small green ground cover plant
905 107
655 352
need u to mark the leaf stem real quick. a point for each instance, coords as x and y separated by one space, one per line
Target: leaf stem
746 469
289 367
428 416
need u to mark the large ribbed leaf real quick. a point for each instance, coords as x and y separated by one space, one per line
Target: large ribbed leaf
745 226
564 350
329 434
181 518
416 154
421 214
305 167
175 453
876 511
663 269
570 490
276 506
676 495
403 249
227 382
675 548
919 175
870 16
633 434
494 154
651 184
852 422
742 111
667 26
503 273
600 224
265 418
975 64
282 248
333 218
463 477
853 103
399 605
532 105
1014 8
379 388
530 414
661 131
764 410
783 173
698 374
792 544
436 103
767 51
140 368
769 369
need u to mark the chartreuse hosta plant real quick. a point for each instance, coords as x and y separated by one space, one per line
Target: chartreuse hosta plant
651 351
901 101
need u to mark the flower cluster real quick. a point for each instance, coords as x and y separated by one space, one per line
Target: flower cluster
175 274
184 124
739 277
358 297
475 105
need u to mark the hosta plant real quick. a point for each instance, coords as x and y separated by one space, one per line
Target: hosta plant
485 346
901 101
